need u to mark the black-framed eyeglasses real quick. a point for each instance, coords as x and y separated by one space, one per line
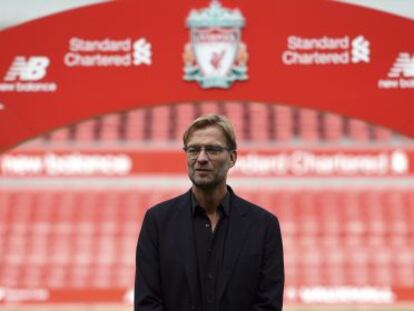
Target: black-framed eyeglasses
212 151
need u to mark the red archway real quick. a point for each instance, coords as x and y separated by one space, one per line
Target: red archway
118 55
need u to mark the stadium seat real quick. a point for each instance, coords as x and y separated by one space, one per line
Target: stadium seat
79 239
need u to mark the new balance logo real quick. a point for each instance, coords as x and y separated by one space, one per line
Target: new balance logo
27 69
360 50
401 74
403 66
24 75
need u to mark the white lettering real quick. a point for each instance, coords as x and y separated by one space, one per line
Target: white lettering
256 164
301 163
324 43
21 165
65 165
346 295
326 51
315 58
20 295
387 84
36 87
406 83
106 45
100 60
7 87
77 164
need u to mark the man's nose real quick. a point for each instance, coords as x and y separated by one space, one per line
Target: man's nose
202 156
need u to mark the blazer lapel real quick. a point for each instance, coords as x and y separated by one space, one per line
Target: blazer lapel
239 227
185 241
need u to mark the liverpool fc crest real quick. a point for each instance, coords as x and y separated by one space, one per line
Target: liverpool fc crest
215 55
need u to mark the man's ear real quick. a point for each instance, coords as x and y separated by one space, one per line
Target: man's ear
233 158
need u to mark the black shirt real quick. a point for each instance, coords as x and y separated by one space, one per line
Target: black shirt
209 247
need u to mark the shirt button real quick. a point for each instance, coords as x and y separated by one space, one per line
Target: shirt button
210 276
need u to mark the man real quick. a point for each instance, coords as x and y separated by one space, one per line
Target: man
208 249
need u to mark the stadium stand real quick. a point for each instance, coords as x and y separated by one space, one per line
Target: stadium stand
331 127
255 122
135 125
71 237
86 238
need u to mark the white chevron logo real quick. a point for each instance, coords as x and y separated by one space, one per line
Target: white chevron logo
360 50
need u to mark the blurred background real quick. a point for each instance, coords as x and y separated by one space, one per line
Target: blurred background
72 201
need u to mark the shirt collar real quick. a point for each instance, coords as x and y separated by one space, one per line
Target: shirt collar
224 205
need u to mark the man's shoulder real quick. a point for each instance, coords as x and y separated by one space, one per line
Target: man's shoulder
253 209
170 204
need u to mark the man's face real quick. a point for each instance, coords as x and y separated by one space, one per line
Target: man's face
207 171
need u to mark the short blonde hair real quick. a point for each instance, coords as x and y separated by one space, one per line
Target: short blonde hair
212 120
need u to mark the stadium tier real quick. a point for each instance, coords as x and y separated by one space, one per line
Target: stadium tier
254 122
70 213
86 239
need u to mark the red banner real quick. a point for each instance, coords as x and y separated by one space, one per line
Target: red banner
125 54
261 162
314 295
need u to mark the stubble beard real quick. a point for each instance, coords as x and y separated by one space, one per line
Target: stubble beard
206 184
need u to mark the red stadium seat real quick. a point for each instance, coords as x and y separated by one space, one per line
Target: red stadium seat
110 128
86 238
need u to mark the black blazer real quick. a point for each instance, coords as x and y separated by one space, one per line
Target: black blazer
252 275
